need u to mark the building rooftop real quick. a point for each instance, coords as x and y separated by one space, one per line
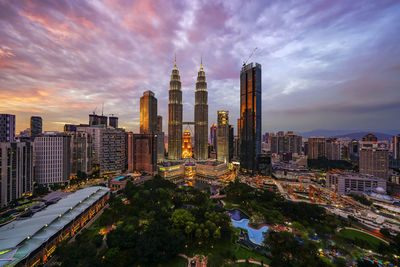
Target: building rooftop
21 237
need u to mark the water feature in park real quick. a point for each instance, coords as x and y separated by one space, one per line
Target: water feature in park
240 220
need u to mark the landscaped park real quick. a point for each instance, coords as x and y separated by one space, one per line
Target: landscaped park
162 224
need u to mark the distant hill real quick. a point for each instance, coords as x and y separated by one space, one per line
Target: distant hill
360 135
346 133
326 133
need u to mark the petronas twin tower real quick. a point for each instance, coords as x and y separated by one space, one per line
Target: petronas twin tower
175 110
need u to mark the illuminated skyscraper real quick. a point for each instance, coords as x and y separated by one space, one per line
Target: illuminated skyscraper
148 112
223 136
249 128
175 116
187 145
201 117
36 126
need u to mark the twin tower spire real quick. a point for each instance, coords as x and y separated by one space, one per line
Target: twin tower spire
175 110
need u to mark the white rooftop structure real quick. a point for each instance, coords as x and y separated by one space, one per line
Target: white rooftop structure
20 238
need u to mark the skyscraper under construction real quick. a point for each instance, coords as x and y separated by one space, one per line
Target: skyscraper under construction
201 117
175 116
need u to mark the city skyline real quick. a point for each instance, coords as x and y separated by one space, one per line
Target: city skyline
326 65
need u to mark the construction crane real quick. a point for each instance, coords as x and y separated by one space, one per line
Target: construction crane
252 53
94 110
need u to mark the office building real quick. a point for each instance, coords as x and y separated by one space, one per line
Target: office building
374 157
16 171
187 145
316 147
52 158
112 151
249 127
159 124
160 146
81 152
148 113
201 117
223 136
7 128
175 116
396 147
213 137
144 156
231 143
113 121
348 183
36 126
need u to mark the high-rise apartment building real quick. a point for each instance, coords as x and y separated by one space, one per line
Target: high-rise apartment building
396 147
374 157
148 112
175 116
333 149
112 151
285 143
213 137
52 158
36 126
7 128
201 117
316 147
249 127
223 136
16 170
144 156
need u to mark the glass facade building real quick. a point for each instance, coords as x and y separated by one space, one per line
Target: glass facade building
250 115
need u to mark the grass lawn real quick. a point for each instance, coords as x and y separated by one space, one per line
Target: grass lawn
226 249
352 234
176 262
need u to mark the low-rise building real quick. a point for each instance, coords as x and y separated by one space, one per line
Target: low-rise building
209 171
31 241
119 183
347 182
174 172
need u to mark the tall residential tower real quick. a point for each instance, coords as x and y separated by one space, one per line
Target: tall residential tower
201 117
175 116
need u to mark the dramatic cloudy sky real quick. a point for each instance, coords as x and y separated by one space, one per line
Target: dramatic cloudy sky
326 64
